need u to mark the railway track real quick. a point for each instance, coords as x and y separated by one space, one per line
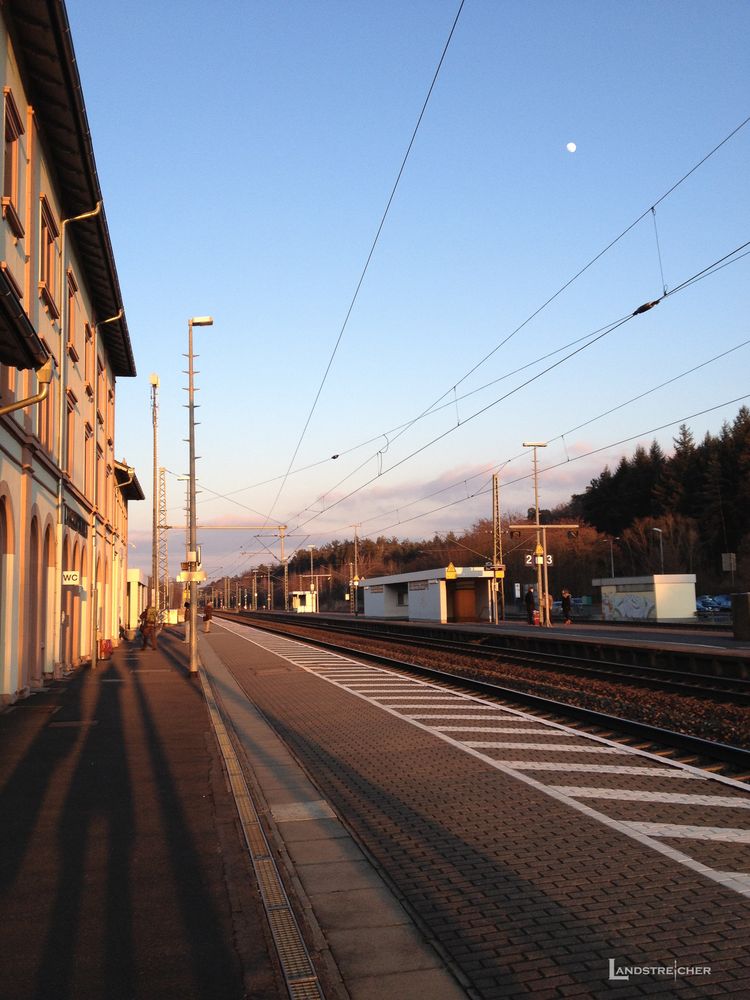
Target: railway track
656 678
715 757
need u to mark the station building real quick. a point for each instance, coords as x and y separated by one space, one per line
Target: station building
64 342
449 594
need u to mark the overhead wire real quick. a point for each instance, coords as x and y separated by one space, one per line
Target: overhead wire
498 467
369 257
396 432
558 465
704 273
591 262
436 403
717 265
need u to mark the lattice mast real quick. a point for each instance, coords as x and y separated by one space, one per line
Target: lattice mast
498 587
162 548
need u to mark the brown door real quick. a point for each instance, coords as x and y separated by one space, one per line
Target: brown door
464 606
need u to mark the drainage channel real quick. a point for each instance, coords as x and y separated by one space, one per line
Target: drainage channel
294 958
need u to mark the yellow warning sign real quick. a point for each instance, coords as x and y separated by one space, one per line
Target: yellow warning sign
450 572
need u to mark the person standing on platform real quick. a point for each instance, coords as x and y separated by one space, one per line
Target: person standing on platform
566 606
548 602
208 612
530 605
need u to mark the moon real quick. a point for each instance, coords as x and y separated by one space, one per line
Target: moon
571 147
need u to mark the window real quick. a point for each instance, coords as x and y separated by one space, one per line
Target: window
48 258
11 165
89 360
46 418
99 476
88 474
7 384
100 390
108 493
72 317
110 417
70 449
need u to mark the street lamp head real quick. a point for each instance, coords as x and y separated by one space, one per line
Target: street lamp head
657 530
154 379
534 444
201 321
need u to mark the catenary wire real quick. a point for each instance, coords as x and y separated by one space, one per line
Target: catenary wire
558 465
435 405
705 272
369 258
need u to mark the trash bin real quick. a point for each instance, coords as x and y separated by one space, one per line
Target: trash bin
536 617
105 649
741 615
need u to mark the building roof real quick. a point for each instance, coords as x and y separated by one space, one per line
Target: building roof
442 573
20 345
42 41
128 482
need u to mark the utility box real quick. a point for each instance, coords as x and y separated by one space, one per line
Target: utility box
741 615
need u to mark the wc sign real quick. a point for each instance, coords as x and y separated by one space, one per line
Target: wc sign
71 578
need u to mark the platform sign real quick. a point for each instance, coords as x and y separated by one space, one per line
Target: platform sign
71 578
537 560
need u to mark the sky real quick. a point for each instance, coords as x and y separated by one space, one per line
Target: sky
248 154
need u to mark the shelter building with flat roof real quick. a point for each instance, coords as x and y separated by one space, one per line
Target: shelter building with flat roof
448 594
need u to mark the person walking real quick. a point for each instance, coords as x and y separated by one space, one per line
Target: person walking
148 627
530 605
208 612
566 606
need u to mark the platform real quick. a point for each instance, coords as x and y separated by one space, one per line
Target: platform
529 857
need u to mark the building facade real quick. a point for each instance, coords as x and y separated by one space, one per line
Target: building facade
64 342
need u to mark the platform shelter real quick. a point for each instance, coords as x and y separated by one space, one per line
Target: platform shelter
663 598
304 601
448 594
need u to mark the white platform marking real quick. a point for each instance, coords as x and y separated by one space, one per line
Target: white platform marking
536 730
634 769
557 747
686 832
676 798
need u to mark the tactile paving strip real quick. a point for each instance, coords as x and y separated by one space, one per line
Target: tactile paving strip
294 958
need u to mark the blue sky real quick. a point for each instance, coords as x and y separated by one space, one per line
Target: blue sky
246 154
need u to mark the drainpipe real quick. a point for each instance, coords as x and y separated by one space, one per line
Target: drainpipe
94 596
121 486
44 376
57 641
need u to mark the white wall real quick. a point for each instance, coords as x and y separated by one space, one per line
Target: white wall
428 604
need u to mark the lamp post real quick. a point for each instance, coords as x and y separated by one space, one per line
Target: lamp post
312 579
154 593
540 549
193 551
660 533
612 554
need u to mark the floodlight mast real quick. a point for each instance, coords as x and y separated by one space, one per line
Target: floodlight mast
540 553
192 552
